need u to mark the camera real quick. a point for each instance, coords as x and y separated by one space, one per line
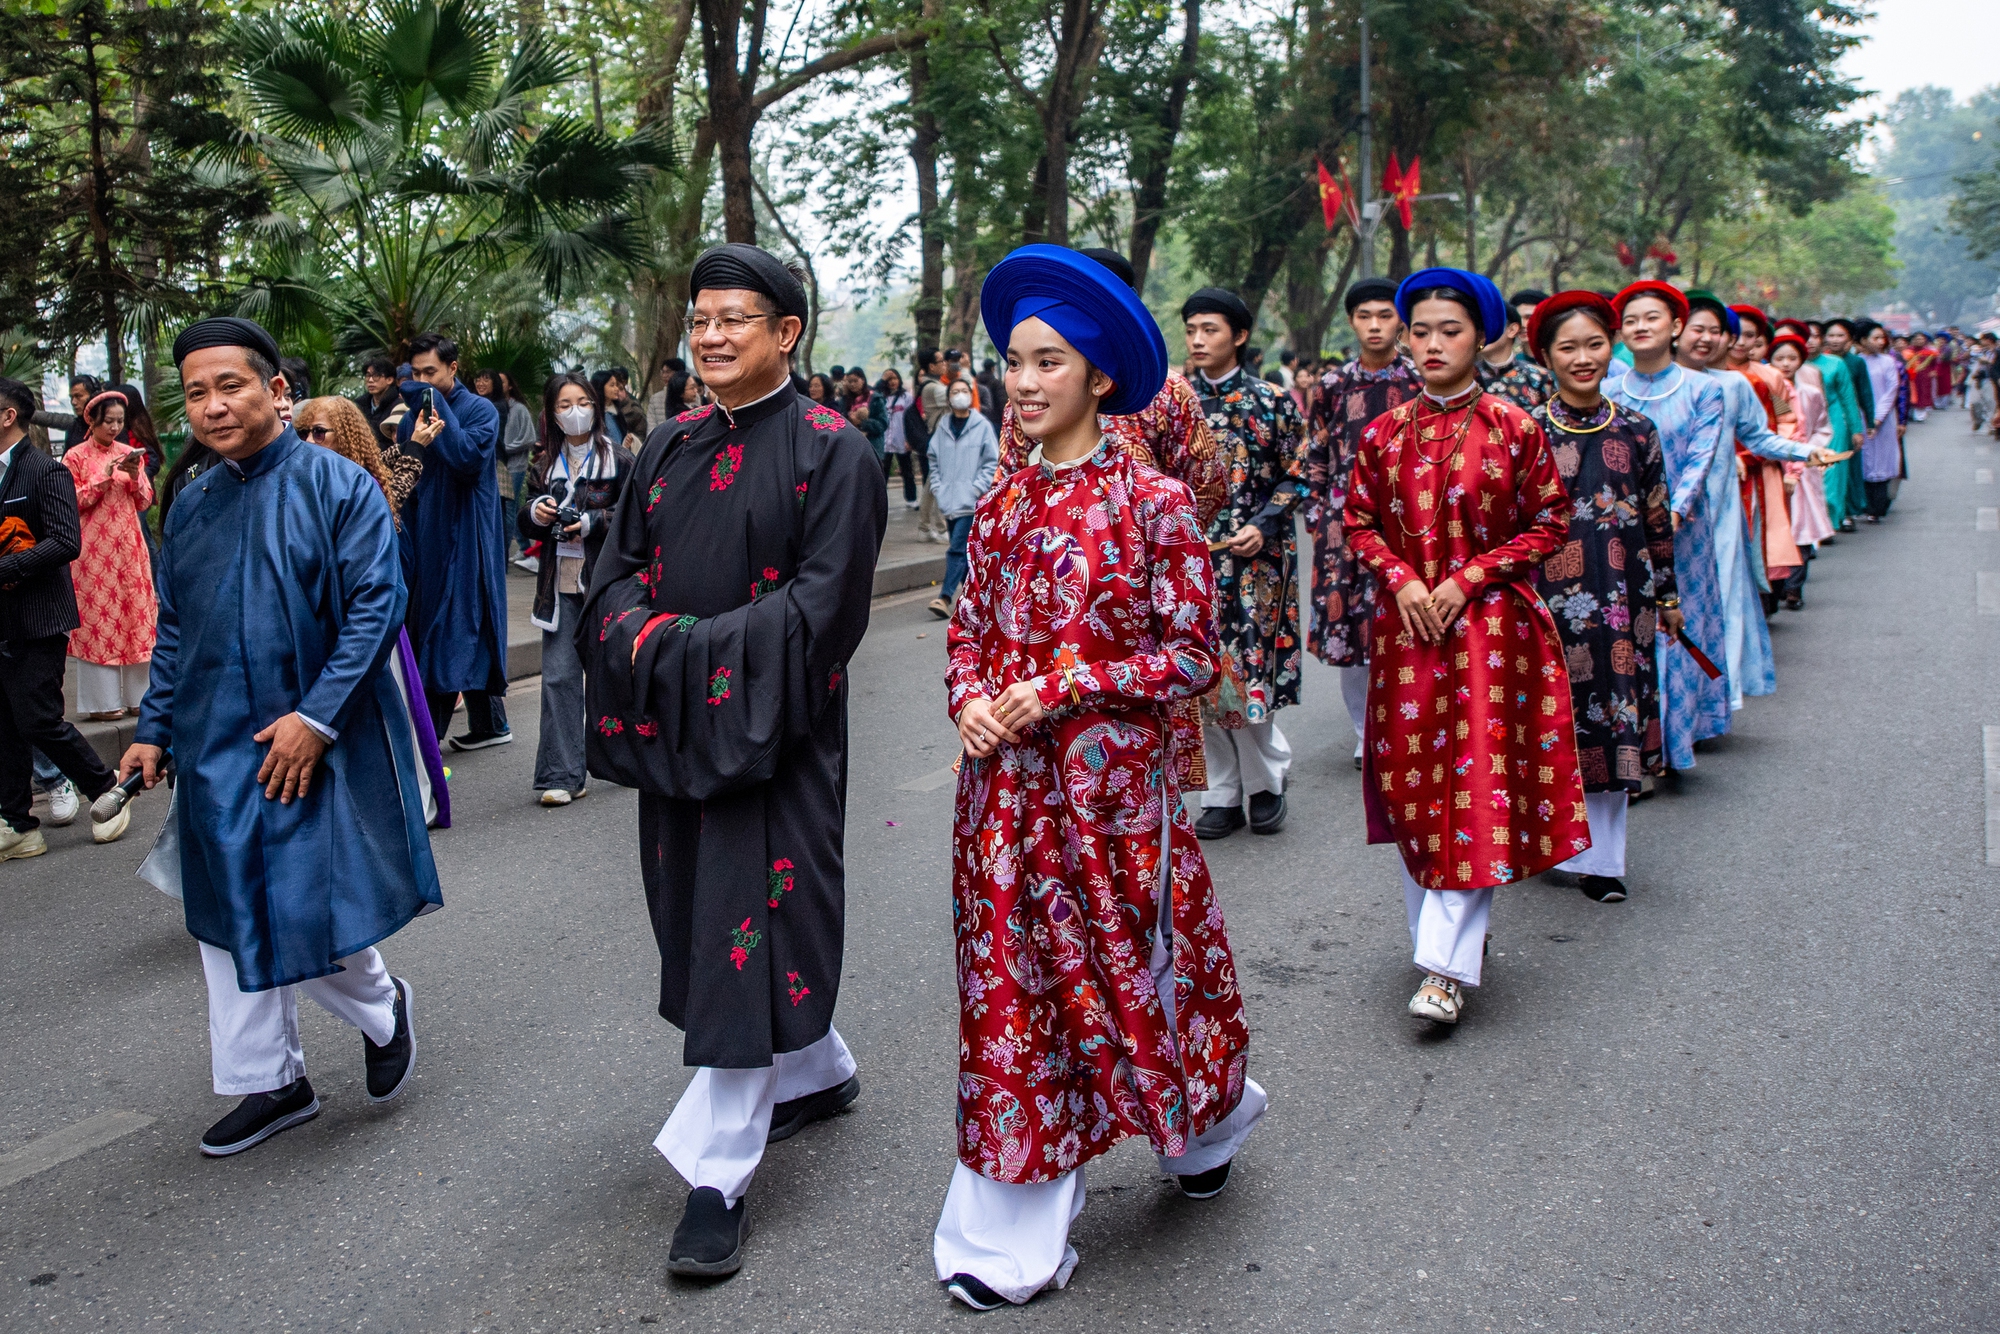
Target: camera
566 516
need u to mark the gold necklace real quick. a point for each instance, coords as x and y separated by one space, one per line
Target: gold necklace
1456 457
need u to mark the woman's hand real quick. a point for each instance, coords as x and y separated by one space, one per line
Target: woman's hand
544 512
1742 470
1671 621
1019 707
980 730
1413 603
429 426
1448 599
129 464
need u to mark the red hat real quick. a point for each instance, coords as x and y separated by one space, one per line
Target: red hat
1799 327
1788 337
1549 308
1752 313
1676 300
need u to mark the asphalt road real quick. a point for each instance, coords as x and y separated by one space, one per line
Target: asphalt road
1758 1095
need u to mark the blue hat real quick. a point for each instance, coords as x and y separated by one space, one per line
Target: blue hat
1493 309
1087 304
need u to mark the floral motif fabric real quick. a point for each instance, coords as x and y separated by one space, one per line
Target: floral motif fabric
1521 382
1471 765
1604 584
113 574
1346 399
1059 842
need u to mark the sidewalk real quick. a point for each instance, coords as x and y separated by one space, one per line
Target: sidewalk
908 561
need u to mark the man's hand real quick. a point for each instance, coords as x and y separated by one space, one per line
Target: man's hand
288 766
143 760
428 427
980 730
1413 603
1448 599
1671 620
1247 540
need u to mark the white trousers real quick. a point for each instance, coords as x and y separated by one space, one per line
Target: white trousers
1243 761
715 1136
1354 691
1606 853
102 688
1448 928
253 1036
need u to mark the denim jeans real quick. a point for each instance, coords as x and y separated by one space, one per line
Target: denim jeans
954 558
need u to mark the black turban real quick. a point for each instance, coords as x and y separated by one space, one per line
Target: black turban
1115 262
1370 289
1219 301
740 267
226 331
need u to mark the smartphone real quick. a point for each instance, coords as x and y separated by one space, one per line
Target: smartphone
430 401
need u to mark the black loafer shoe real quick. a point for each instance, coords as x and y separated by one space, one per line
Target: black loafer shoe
1205 1185
260 1116
1219 822
1267 812
709 1241
390 1064
973 1293
1602 888
789 1118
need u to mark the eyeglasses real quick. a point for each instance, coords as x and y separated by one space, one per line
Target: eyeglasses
729 326
317 433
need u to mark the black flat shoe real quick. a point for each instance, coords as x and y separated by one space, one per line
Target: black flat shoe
1267 812
1602 888
789 1118
709 1241
260 1116
1219 822
1204 1185
481 740
973 1293
390 1064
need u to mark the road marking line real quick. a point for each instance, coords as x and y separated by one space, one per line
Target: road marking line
1989 593
930 782
1989 519
1982 476
59 1146
1992 738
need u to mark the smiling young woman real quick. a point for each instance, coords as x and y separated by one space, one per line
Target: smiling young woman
1471 763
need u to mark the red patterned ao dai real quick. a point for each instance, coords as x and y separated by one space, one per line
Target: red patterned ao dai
1471 754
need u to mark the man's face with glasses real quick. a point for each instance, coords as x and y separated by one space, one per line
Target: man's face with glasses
741 346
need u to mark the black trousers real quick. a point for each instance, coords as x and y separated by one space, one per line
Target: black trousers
31 718
485 714
893 463
1878 498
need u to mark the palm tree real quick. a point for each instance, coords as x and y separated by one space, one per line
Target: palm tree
408 163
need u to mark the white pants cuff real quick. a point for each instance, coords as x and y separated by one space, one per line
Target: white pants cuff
108 688
1243 761
1606 853
1354 693
1012 1237
253 1036
1220 1142
715 1136
1448 928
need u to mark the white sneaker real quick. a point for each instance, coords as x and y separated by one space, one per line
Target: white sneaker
113 829
557 796
14 843
63 802
1439 999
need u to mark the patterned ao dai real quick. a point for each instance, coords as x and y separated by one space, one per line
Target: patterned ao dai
1059 844
1471 748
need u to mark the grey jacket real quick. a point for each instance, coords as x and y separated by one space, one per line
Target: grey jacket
964 458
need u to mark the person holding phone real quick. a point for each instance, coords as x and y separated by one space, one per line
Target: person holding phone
113 572
452 559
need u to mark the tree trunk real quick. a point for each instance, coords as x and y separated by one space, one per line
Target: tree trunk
99 202
1399 245
1150 168
1035 217
927 311
1469 183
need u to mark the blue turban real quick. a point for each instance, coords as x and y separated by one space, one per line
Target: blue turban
1494 312
1086 303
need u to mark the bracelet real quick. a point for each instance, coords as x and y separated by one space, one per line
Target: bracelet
1664 605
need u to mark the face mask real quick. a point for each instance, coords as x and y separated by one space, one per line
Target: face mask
961 400
576 420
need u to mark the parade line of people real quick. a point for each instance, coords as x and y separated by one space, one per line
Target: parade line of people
1546 536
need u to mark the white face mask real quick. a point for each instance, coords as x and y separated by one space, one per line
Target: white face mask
961 399
576 420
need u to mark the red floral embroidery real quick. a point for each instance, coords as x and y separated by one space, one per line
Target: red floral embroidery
767 584
824 418
654 492
718 686
649 728
695 414
649 578
612 618
727 464
610 726
800 492
745 940
780 883
798 993
833 679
